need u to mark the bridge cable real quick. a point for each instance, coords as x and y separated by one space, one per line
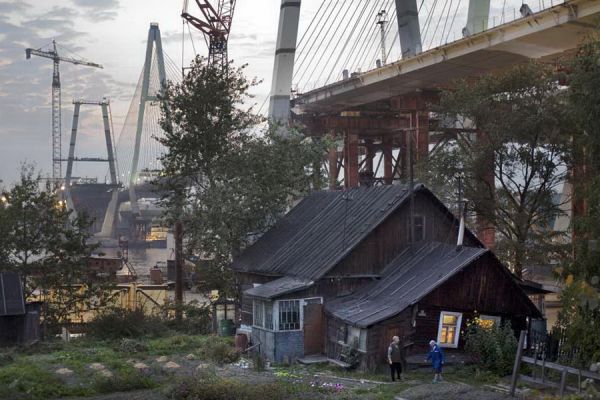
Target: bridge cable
373 45
446 22
303 42
350 35
427 23
300 60
327 34
362 36
437 25
320 42
453 18
368 40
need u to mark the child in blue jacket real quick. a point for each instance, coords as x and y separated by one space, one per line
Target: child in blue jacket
436 355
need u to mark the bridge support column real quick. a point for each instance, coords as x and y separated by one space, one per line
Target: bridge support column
477 17
283 69
351 159
408 27
332 158
388 161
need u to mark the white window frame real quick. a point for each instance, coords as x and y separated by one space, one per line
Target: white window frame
453 345
300 315
275 307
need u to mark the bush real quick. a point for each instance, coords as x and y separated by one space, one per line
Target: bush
131 346
117 323
196 318
124 382
492 348
220 351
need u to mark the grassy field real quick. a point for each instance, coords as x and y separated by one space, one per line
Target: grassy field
198 367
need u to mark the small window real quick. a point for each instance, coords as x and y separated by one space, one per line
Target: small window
449 329
258 314
269 316
289 315
358 336
419 223
488 321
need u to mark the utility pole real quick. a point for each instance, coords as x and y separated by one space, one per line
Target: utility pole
178 236
411 184
381 21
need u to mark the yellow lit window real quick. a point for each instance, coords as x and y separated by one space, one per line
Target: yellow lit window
449 329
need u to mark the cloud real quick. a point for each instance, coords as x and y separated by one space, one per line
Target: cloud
25 90
10 7
98 10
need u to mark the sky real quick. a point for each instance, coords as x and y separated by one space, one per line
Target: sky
113 33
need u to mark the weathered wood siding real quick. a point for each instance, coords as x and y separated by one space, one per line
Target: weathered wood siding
385 242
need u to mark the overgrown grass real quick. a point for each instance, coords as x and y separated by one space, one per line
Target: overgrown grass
30 373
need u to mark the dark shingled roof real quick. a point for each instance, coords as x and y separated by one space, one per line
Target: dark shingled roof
407 279
321 230
278 287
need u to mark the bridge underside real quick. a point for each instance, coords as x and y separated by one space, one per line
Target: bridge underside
373 113
548 36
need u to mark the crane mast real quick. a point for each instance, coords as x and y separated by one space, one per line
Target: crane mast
56 102
215 22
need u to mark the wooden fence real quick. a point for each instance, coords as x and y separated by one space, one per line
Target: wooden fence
545 367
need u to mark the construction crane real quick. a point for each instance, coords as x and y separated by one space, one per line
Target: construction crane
56 102
215 23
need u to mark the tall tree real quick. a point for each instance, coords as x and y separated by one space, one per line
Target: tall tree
48 248
512 148
579 317
226 176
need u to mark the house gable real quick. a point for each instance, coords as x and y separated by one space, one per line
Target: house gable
387 240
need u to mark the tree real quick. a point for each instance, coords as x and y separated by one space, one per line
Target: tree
579 318
512 147
48 248
226 177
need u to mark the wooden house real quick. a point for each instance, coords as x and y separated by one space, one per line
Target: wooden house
340 269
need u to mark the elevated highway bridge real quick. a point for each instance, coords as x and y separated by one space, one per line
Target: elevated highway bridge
548 36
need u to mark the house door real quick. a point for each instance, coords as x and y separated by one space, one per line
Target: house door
390 332
313 329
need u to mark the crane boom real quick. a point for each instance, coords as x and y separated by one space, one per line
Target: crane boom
56 101
52 55
215 23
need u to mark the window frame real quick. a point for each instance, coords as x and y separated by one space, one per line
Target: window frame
454 344
276 313
362 337
423 232
497 319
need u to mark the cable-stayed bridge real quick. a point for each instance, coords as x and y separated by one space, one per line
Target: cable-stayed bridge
368 77
365 72
131 211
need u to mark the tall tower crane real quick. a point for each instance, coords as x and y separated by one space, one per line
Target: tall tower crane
215 23
56 102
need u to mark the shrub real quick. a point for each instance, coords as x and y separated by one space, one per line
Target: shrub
258 362
130 346
123 382
117 323
196 318
492 348
221 352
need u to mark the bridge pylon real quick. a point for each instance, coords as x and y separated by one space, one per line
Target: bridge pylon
154 45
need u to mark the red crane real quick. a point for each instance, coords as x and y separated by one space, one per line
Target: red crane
214 21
